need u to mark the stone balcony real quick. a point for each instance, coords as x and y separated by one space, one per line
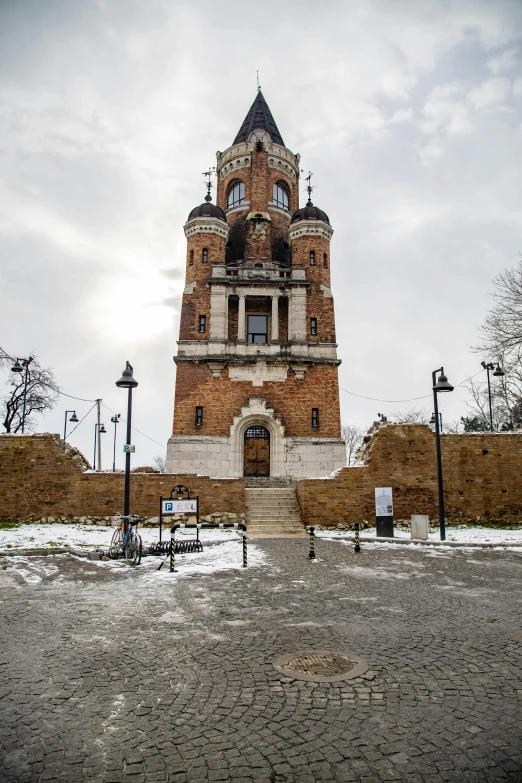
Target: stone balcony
224 350
249 273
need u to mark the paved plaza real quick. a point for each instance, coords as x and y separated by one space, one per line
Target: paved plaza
116 674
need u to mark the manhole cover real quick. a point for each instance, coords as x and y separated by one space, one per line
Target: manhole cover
320 666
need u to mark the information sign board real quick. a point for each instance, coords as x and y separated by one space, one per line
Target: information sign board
128 448
383 502
179 507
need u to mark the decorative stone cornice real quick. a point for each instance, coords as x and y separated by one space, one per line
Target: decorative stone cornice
239 156
310 228
206 225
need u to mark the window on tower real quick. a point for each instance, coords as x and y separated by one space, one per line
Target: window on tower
313 326
202 323
325 261
257 328
204 256
312 257
315 417
199 415
236 194
280 195
191 257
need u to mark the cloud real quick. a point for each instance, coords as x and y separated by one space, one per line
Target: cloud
489 93
110 112
504 62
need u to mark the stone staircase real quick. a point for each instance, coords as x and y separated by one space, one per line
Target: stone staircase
273 511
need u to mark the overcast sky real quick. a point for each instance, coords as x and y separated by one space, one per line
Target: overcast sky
407 112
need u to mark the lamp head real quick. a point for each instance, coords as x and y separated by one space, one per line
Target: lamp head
499 372
74 417
433 419
102 428
17 367
127 381
442 384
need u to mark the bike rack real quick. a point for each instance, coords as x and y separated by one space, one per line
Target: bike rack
206 526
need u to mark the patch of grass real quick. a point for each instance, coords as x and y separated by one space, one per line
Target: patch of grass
8 524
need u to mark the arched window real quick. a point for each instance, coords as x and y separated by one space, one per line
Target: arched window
204 255
236 194
325 261
280 195
312 257
191 261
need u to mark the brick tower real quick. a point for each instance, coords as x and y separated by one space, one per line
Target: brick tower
256 386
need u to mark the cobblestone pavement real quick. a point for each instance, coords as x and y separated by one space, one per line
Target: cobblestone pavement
128 674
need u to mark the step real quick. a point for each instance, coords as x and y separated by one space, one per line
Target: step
250 481
266 515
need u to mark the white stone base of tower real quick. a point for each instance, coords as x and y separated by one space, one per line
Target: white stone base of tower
223 457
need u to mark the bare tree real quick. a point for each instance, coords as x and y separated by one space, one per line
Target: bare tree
502 327
352 435
453 426
160 462
42 395
501 341
412 416
5 359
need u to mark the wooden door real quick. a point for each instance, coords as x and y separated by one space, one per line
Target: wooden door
257 452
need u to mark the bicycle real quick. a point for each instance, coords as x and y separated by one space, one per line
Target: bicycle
127 542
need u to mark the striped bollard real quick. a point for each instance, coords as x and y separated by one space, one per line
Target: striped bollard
245 550
172 550
311 554
357 545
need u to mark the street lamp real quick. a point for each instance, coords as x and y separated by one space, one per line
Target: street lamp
498 373
19 367
99 429
115 420
432 420
73 418
127 382
440 384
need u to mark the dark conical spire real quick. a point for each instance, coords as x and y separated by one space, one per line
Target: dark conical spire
259 116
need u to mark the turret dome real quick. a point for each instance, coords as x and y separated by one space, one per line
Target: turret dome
310 213
207 210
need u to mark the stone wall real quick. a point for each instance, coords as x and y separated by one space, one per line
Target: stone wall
41 476
482 478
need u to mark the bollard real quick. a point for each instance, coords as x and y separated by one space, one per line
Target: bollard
244 549
357 546
311 554
172 551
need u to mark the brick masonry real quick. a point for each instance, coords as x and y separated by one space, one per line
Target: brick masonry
41 476
482 478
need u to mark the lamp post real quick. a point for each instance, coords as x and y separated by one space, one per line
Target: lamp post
498 373
127 382
19 367
115 420
99 429
440 384
73 418
432 420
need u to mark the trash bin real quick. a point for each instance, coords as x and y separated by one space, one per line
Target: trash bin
419 526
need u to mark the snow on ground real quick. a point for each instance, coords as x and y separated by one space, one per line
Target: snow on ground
225 550
461 534
86 537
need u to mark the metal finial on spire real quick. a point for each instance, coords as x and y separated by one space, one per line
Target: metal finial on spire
309 188
258 85
209 182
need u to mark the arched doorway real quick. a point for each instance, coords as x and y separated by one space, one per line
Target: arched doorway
257 451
